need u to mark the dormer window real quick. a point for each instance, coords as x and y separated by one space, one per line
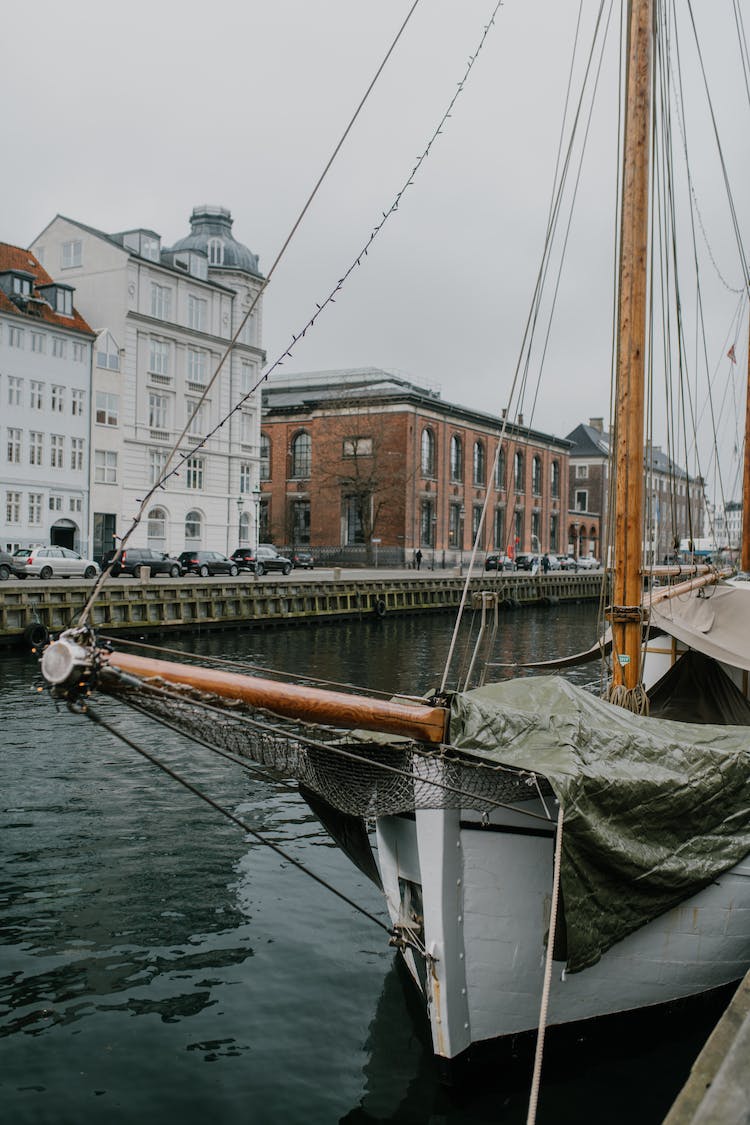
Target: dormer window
216 252
64 301
21 285
142 242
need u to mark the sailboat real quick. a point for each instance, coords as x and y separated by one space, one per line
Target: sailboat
529 837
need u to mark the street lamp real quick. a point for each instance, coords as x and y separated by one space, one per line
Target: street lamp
240 506
461 514
256 501
577 544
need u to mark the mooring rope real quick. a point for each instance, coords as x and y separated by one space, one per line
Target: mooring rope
91 714
539 1053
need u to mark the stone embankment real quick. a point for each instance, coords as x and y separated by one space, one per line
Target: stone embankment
31 609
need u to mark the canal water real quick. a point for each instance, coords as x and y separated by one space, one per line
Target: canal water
156 966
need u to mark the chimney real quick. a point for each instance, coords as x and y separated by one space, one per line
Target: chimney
505 413
597 424
520 419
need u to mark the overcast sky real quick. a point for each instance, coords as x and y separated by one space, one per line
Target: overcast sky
129 115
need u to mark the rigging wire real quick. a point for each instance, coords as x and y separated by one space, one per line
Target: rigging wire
261 839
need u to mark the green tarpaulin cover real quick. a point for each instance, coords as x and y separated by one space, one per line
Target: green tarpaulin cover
653 809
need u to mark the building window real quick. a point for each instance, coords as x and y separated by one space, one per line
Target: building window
479 463
197 313
157 459
64 301
195 412
455 526
156 528
193 524
79 352
265 457
357 447
582 472
457 458
554 532
22 286
36 447
194 475
36 395
161 301
77 402
244 529
57 399
353 533
535 529
301 522
107 409
427 524
35 507
246 477
15 337
157 411
519 473
107 352
500 471
72 253
105 466
57 451
476 520
555 480
15 387
12 507
301 455
55 503
14 446
582 501
150 248
158 359
246 378
38 343
215 252
518 529
536 476
428 453
246 428
197 366
499 529
76 453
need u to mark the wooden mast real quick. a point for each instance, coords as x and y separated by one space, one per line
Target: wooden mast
629 464
745 532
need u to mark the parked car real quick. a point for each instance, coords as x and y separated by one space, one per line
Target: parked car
303 559
134 559
266 558
207 562
588 562
526 562
499 562
553 562
55 562
10 567
567 562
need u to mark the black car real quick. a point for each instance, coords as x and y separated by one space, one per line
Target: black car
264 559
10 567
207 562
499 562
133 560
303 559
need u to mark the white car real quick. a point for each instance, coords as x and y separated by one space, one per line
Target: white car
55 562
588 562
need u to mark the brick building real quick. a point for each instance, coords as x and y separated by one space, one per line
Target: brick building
354 461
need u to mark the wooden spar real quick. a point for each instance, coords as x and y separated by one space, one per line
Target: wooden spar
666 592
310 705
745 541
631 344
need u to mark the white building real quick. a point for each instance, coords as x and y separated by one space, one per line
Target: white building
164 319
45 406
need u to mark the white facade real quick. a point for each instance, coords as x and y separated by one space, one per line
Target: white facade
164 321
45 402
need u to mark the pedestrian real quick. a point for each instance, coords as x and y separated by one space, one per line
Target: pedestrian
418 558
545 563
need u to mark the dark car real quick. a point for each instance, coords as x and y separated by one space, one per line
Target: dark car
303 559
207 562
133 561
526 562
10 567
499 562
264 559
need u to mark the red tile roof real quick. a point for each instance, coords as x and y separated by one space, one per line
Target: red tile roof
16 258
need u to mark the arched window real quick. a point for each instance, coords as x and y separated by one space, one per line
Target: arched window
265 457
555 480
500 472
428 453
518 472
457 458
244 529
215 252
301 455
536 476
478 462
156 528
193 528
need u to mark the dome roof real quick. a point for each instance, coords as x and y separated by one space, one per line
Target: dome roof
211 233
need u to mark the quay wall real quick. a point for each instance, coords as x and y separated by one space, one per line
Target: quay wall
157 606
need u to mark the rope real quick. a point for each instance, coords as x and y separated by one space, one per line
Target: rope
539 1053
90 714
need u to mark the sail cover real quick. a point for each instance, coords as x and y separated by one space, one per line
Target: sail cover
714 621
653 809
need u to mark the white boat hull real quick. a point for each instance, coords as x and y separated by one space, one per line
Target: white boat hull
486 897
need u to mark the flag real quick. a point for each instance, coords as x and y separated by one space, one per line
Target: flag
731 354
